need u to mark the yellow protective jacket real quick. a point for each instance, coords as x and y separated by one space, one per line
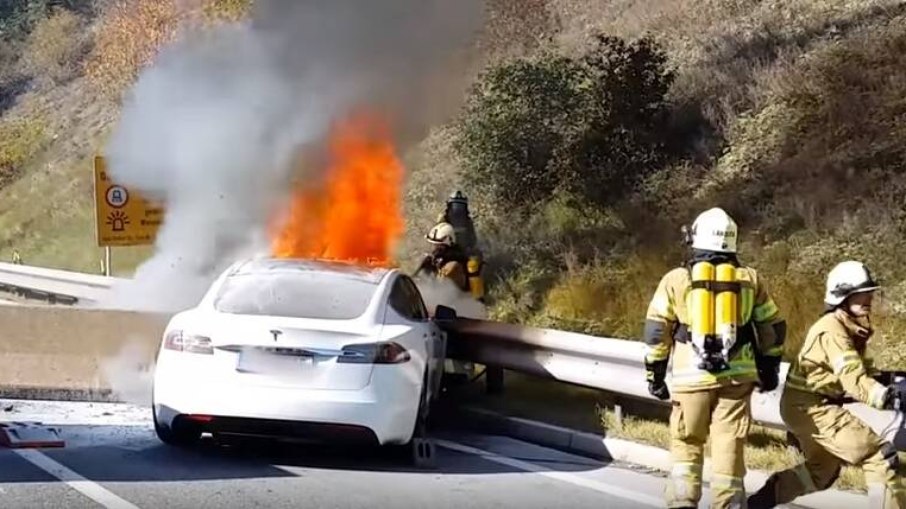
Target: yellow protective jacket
667 321
830 364
456 272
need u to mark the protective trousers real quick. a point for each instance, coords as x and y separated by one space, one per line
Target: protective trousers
830 436
724 414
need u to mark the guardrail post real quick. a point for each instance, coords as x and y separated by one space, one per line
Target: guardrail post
494 380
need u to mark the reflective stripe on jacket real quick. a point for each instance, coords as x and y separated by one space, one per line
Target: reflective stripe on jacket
830 365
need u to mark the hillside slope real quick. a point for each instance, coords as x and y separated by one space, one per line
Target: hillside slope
788 113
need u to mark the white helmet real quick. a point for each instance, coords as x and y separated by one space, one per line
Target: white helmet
714 230
442 233
846 279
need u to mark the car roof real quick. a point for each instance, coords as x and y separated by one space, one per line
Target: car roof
325 268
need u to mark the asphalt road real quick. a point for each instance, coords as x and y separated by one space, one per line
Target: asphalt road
113 459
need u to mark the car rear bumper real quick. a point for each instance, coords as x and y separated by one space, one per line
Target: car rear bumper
386 408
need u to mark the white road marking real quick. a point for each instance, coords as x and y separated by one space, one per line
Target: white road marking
75 481
633 496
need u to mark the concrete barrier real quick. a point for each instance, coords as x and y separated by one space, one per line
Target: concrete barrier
65 353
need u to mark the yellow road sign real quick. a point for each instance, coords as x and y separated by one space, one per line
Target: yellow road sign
123 217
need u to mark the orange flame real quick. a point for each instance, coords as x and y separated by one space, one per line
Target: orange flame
354 215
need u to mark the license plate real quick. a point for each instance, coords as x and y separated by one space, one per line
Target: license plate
251 361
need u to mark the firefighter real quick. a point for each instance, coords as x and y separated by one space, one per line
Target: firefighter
829 366
725 334
447 259
458 216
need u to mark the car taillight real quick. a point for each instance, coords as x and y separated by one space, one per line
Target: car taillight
181 342
386 352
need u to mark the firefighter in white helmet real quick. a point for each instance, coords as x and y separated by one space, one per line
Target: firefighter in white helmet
725 334
456 214
829 367
447 259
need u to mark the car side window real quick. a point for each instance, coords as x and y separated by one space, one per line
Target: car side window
406 300
415 297
400 302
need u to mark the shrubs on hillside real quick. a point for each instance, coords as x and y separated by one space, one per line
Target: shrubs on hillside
226 10
133 31
130 35
20 139
832 122
55 47
589 126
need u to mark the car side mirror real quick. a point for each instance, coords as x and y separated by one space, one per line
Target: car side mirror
444 313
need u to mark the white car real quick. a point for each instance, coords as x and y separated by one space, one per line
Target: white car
301 349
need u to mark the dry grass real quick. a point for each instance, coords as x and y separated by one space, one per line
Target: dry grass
608 298
130 36
132 33
20 139
719 45
55 47
226 10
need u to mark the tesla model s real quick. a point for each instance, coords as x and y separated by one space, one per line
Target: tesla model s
300 349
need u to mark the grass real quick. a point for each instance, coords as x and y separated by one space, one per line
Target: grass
132 32
20 139
55 47
129 37
61 237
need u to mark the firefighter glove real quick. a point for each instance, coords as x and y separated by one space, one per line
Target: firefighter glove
655 373
768 372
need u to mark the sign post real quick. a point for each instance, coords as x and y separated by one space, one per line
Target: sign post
122 216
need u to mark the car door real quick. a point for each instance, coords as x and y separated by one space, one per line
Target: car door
406 299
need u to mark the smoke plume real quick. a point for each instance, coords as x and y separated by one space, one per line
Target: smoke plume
228 119
130 372
436 291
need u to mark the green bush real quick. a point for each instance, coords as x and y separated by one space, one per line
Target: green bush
516 122
590 126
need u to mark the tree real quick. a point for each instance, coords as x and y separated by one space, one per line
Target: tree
591 126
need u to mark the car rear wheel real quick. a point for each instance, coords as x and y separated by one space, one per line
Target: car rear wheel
419 451
179 433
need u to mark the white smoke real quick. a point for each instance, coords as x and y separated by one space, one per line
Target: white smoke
226 119
437 291
130 373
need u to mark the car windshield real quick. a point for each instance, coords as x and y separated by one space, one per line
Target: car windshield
295 293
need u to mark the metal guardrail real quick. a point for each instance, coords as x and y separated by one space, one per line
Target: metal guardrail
52 285
612 365
607 364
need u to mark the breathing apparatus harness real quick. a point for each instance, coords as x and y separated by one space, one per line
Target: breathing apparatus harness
713 330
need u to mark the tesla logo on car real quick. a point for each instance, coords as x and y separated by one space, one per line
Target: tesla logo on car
276 334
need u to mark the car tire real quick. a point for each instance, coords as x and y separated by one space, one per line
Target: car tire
180 435
419 451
